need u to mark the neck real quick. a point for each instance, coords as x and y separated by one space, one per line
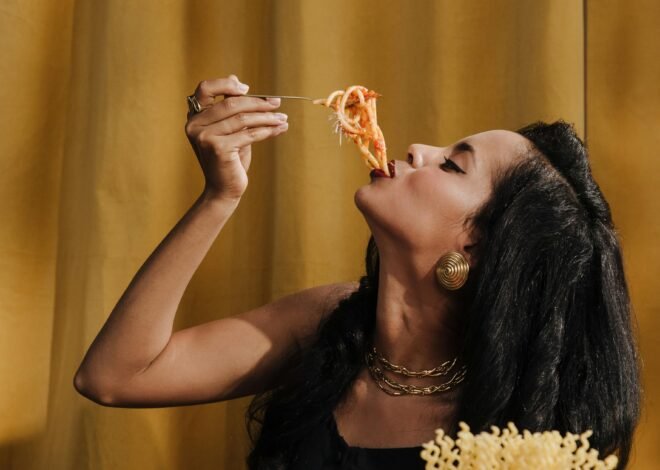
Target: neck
418 323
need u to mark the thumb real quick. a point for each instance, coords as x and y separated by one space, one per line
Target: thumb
239 87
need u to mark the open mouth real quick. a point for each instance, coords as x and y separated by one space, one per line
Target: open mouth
381 174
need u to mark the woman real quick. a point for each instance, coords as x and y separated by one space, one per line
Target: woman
494 292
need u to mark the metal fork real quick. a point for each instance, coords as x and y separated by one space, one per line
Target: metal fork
280 96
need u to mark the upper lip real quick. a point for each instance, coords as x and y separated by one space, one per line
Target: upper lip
398 167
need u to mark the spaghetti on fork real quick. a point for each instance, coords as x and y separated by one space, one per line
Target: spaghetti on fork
355 109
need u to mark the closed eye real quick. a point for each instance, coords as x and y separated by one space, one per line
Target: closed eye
450 164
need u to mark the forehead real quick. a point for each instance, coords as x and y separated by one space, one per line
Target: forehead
498 147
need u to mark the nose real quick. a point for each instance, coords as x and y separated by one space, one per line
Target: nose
420 154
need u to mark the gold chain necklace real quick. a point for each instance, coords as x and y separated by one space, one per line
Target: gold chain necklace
397 389
442 369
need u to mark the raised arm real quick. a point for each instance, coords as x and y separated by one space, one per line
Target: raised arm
140 326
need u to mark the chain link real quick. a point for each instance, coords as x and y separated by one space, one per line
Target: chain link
442 369
397 389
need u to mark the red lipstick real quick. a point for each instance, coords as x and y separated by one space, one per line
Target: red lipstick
391 167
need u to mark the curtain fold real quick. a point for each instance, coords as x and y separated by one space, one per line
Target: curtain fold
97 169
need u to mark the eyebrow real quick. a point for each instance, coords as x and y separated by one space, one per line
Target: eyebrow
464 146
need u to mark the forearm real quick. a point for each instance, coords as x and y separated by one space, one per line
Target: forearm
140 325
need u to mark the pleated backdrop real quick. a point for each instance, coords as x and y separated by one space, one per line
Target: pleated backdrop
96 169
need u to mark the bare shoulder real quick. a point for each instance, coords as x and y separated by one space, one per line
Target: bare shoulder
323 300
328 296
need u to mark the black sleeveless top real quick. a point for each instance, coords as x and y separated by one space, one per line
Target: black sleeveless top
326 449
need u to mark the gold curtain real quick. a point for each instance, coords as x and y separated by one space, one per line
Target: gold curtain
96 169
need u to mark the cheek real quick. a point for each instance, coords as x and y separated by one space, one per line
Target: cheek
416 209
437 198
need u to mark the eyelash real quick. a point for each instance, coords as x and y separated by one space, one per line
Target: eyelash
450 164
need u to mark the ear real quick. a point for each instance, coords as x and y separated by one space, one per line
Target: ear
467 243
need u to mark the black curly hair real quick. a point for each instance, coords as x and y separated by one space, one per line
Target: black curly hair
549 330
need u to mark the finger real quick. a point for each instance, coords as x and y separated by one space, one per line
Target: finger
207 90
246 119
232 106
233 142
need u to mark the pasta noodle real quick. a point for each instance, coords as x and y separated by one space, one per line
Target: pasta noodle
355 109
507 449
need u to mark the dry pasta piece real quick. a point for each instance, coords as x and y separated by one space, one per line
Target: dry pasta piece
355 109
507 449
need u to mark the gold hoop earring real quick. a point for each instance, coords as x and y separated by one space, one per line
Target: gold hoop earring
452 270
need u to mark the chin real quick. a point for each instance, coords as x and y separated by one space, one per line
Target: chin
367 203
381 221
359 197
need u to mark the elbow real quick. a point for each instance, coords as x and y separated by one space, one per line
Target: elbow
88 389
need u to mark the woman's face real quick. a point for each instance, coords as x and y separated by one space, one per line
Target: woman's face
426 204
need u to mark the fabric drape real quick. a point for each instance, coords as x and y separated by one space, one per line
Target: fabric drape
96 169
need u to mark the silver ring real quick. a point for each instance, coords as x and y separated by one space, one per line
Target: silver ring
193 105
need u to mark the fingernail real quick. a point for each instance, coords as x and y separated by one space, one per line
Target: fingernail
243 87
274 101
281 116
283 126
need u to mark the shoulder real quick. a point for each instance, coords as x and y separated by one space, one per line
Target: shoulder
322 300
328 296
